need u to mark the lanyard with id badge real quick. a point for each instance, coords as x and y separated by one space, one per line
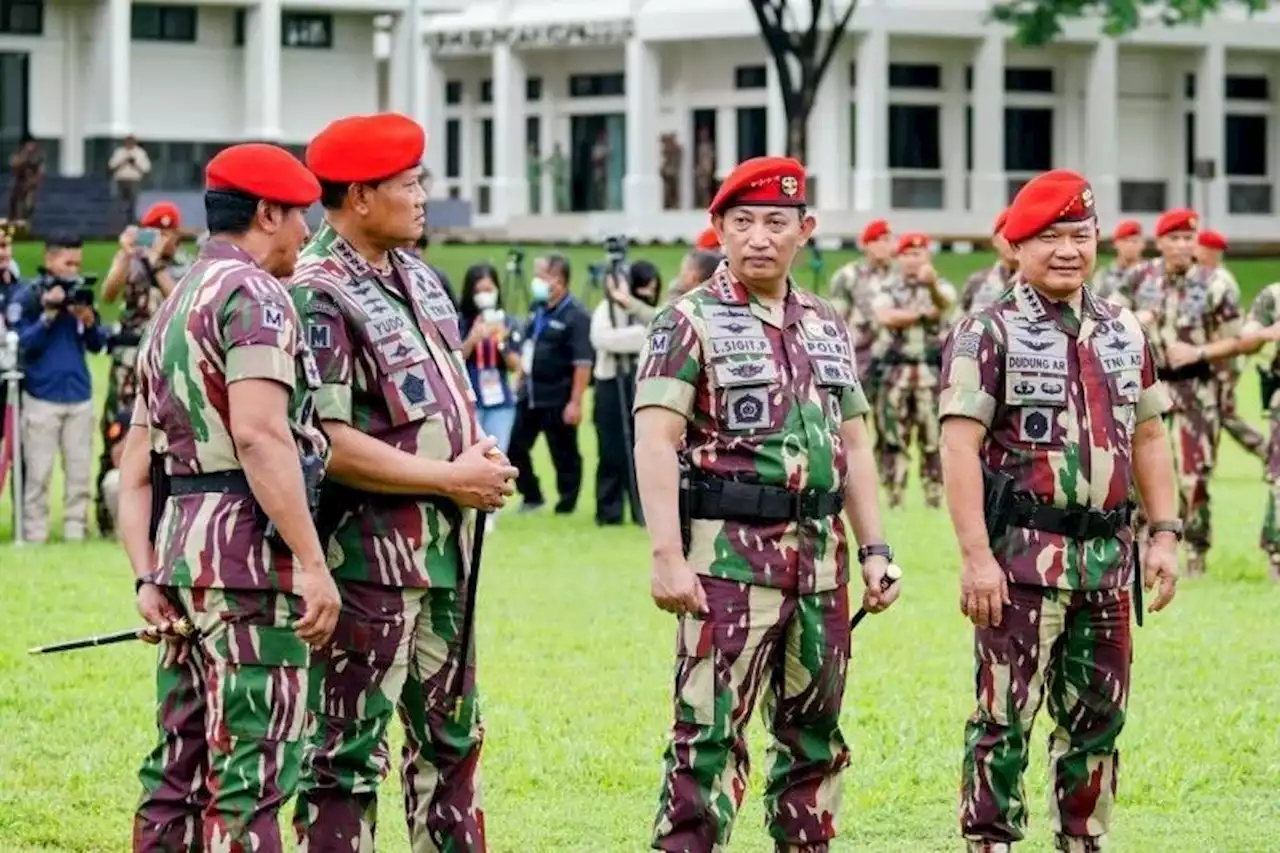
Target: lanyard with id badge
491 385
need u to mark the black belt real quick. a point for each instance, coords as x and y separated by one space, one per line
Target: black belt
1077 523
1200 370
231 482
730 500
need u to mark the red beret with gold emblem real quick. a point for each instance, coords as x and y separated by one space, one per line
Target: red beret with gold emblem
1056 196
1211 239
913 240
1127 228
875 229
765 181
1178 219
708 240
263 171
162 214
998 227
366 148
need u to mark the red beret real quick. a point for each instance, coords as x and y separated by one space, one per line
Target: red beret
770 181
1178 219
1056 196
366 148
708 240
1127 228
1211 239
998 227
913 240
262 171
875 229
162 214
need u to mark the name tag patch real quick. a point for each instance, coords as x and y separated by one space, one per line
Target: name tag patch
826 348
748 408
721 347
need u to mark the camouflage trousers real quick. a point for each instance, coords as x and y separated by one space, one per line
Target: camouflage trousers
231 724
797 648
1233 424
1075 648
1194 431
394 649
1271 518
906 413
121 392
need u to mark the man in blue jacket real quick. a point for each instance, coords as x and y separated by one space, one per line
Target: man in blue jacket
56 324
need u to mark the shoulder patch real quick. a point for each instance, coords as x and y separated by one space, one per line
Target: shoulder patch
320 305
966 345
664 322
319 336
273 317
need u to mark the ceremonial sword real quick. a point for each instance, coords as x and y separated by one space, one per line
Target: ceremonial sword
892 574
182 628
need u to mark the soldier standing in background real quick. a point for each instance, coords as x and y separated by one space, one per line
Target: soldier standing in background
224 398
1263 327
749 383
1209 248
985 286
409 461
1052 392
142 275
1192 317
1129 244
914 313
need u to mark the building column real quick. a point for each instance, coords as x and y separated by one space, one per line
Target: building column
726 143
1101 135
262 71
642 184
429 110
509 185
988 188
409 92
776 111
110 69
871 177
828 135
71 157
1211 120
955 168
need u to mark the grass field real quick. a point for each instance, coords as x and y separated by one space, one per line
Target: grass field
575 667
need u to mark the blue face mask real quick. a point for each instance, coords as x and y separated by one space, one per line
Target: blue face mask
539 290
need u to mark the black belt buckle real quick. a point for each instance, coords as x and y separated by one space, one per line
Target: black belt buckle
807 505
1077 525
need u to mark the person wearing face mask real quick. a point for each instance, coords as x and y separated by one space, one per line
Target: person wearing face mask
555 366
491 347
618 329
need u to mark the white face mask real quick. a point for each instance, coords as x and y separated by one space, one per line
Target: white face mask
485 299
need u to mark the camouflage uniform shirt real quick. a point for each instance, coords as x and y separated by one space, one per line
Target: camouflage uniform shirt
984 287
391 366
1060 398
919 345
1110 283
765 391
852 292
227 320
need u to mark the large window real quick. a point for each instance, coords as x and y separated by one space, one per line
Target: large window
453 148
1028 139
1246 145
903 75
914 137
164 23
597 85
753 132
486 147
22 17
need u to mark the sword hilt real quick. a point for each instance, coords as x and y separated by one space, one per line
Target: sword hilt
892 574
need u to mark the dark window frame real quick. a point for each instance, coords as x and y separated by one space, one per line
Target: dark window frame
298 18
9 11
750 77
453 149
922 76
607 85
172 24
914 142
1013 136
1038 80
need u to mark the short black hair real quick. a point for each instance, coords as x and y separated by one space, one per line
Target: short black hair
705 262
558 265
63 240
333 194
229 212
643 273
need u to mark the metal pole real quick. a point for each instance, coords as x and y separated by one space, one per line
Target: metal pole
13 377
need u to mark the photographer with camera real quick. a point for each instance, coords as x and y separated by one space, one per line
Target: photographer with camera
57 323
619 326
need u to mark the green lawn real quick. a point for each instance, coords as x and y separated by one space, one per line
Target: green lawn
576 668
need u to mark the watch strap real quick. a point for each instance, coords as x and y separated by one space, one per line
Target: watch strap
139 583
1174 527
877 550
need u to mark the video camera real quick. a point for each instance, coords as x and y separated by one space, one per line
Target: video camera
615 263
79 290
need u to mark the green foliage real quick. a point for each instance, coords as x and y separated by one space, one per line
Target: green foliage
1038 22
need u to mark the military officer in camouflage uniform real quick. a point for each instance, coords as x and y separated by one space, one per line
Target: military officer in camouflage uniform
224 406
985 286
853 288
1263 327
143 277
409 465
1129 245
1192 317
749 384
1210 246
914 314
1054 391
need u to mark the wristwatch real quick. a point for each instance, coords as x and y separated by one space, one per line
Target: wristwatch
880 550
1174 527
139 583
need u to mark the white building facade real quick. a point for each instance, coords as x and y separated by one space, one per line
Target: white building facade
929 114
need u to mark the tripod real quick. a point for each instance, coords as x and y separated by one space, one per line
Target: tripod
11 451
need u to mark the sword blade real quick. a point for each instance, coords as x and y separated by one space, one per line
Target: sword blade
90 642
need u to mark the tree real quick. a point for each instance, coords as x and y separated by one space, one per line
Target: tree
801 56
1038 22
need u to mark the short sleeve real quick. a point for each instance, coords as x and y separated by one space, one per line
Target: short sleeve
329 340
1227 307
971 369
259 333
670 364
1153 401
583 353
1262 312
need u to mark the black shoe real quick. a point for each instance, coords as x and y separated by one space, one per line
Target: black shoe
564 509
608 522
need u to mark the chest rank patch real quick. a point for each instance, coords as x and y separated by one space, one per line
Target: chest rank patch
748 407
414 388
1036 424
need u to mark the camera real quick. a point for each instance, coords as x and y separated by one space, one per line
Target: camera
79 290
515 259
615 248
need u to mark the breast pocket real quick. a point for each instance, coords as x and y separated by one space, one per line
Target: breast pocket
1036 407
748 396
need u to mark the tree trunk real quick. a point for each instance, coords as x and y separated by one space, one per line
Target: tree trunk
798 133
